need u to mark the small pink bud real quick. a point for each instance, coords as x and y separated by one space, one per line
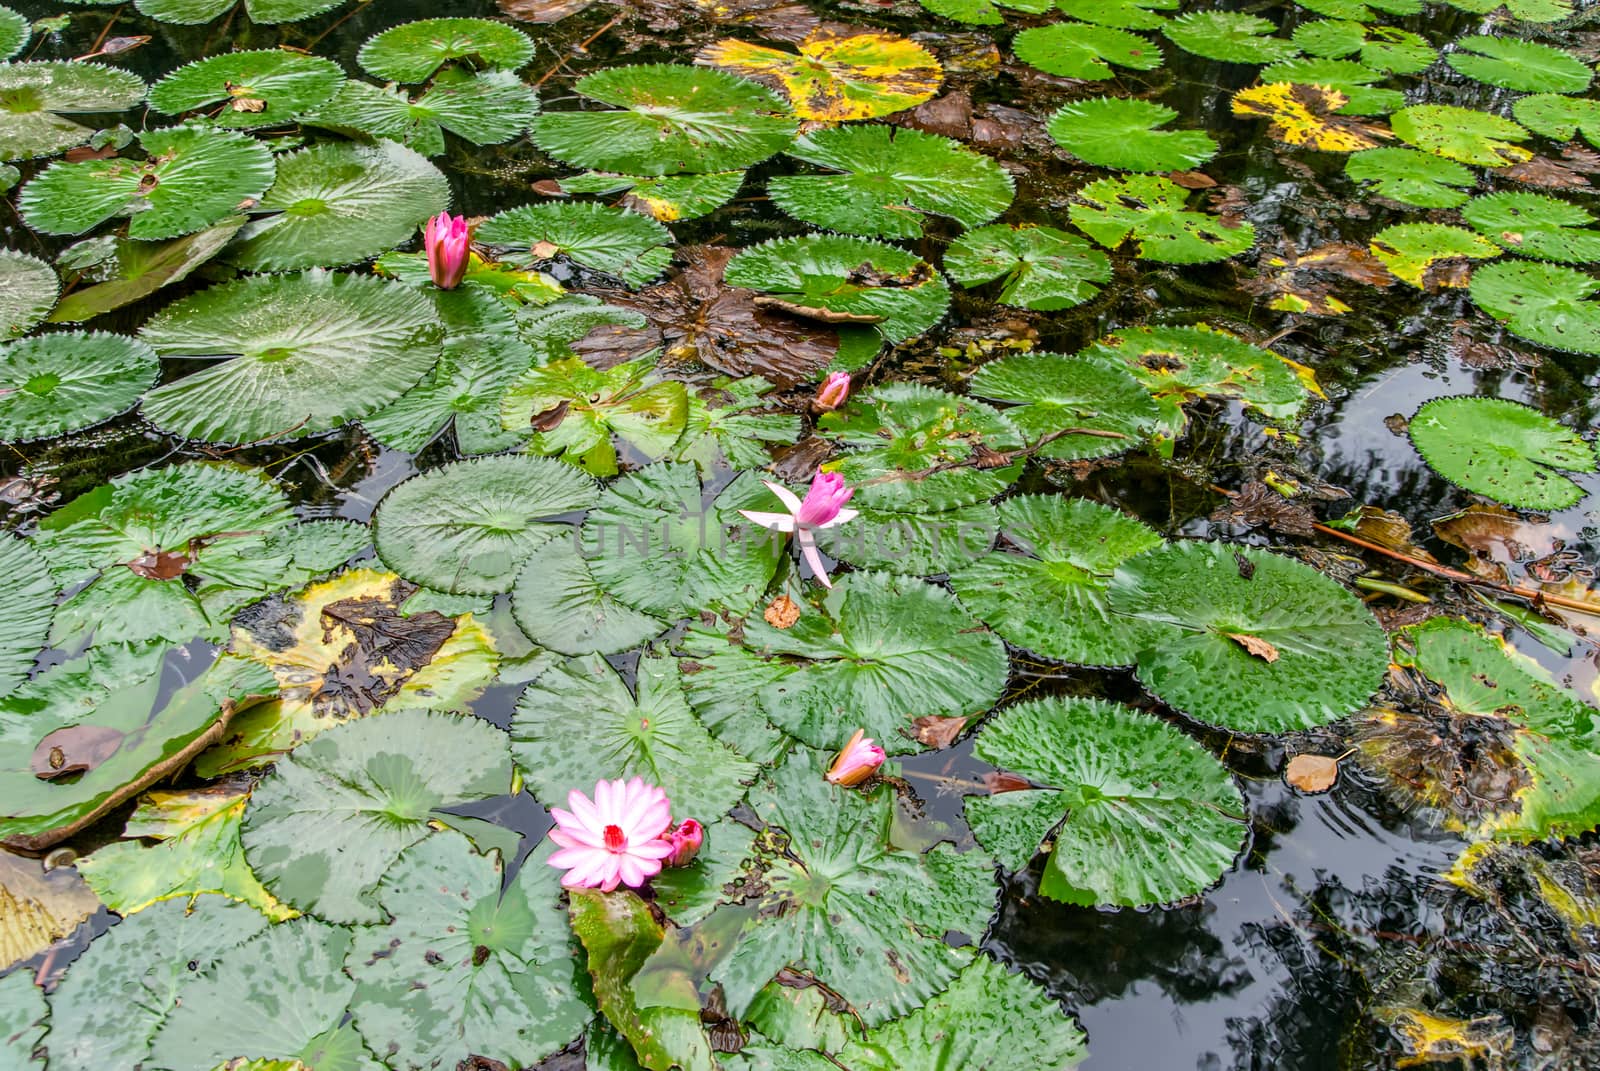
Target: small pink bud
833 392
823 502
685 841
447 240
858 761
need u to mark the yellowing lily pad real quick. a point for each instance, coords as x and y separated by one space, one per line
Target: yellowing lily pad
1414 252
838 77
1304 115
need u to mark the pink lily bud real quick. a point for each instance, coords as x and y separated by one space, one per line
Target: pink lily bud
833 392
447 239
858 761
823 502
685 841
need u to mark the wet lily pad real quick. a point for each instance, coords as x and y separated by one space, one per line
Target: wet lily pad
412 51
1141 814
1509 452
190 12
1251 641
575 411
1121 133
1153 212
1069 408
27 603
1511 63
338 203
632 247
1544 303
1073 50
1560 117
194 176
22 1015
666 197
670 119
299 354
268 87
838 76
37 98
887 179
1410 177
1535 226
561 606
1230 36
485 108
51 384
1042 267
334 816
142 268
28 288
1412 251
1461 134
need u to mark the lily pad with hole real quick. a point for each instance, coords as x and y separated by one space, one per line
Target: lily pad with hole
28 288
193 177
268 87
27 602
468 527
1544 303
888 179
1120 132
36 100
1461 134
1413 251
1230 36
484 108
1247 640
1503 450
56 383
1152 211
1141 813
412 51
1535 226
838 76
1413 178
1075 50
1512 63
1040 267
668 119
1386 49
339 203
1069 408
193 12
627 245
1555 116
294 354
574 411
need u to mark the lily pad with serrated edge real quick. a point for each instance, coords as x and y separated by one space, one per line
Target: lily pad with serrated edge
15 30
887 179
412 51
1411 177
1247 640
1554 116
37 98
897 292
632 247
1120 132
1461 134
1503 450
193 177
983 12
1410 251
1230 36
668 119
1075 50
838 76
338 203
468 527
1062 554
27 602
560 605
1141 813
1544 303
1069 408
1381 48
1042 267
1152 211
579 409
268 87
1121 14
56 383
484 108
667 197
1528 66
1523 10
28 288
193 12
913 541
1355 82
1535 226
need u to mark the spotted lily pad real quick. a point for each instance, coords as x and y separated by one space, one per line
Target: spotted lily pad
1042 267
1410 177
1073 50
1557 116
1509 452
1512 63
838 76
1412 251
1153 212
255 88
36 100
1461 134
1535 226
51 384
412 51
632 247
1121 132
1544 303
1305 115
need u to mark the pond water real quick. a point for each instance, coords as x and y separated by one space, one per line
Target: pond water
1238 921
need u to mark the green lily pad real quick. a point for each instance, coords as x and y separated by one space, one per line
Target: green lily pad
194 176
578 723
664 197
22 1018
1075 408
268 87
912 542
1512 63
670 118
888 179
1043 268
560 605
412 51
1066 553
1146 815
142 268
339 203
1153 212
468 527
1556 116
52 384
334 816
193 12
1410 177
28 288
1074 50
280 995
1544 303
1355 81
1121 133
1524 10
1535 226
27 602
1230 36
306 353
579 409
632 247
37 98
15 31
1461 134
1250 641
1503 450
733 432
484 108
114 998
983 12
842 277
1123 14
1411 250
470 964
1385 49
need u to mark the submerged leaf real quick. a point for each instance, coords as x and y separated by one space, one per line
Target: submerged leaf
38 907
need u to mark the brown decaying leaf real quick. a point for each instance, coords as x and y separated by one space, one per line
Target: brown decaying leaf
1388 529
782 612
543 250
1257 505
1191 180
1543 172
998 782
74 749
949 116
1463 765
541 11
1255 645
160 564
1498 534
38 907
936 732
1312 773
551 418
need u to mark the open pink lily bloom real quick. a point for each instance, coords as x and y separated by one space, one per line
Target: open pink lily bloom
858 761
615 839
447 240
823 507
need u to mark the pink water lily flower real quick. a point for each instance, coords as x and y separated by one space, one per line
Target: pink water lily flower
823 507
833 392
685 841
858 761
616 839
447 240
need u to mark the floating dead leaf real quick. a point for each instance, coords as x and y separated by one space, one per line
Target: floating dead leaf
1435 1039
74 749
551 418
936 732
1463 765
1259 506
998 782
1307 116
544 250
837 76
1545 173
248 104
782 612
1384 527
542 11
1255 645
949 116
160 564
38 907
116 46
1312 773
1191 180
1498 534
